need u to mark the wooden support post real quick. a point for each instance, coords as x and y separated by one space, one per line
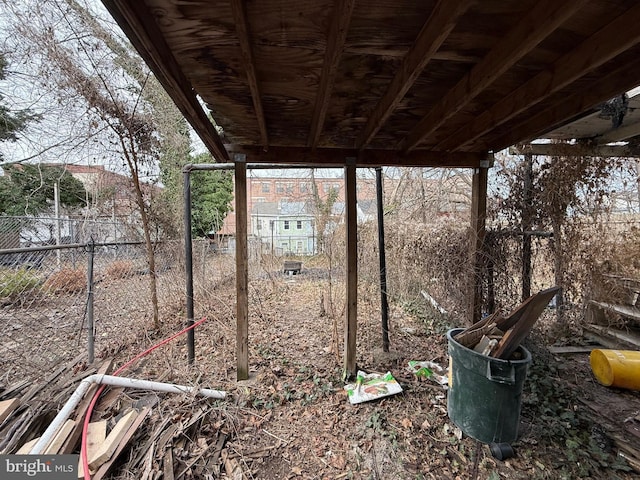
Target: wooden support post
242 269
478 217
351 220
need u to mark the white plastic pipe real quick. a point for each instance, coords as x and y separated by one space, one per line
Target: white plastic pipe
75 398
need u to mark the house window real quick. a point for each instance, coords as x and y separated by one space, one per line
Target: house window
279 187
266 187
286 224
326 187
289 188
271 224
304 187
299 225
259 225
299 246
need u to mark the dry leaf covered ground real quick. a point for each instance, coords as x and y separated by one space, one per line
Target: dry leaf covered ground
292 418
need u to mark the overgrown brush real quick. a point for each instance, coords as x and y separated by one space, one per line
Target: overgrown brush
67 280
120 269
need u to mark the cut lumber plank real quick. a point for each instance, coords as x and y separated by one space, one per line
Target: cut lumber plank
15 388
81 410
96 435
124 440
568 349
26 448
526 318
627 337
108 400
470 336
113 439
540 300
602 340
624 310
167 465
7 407
54 446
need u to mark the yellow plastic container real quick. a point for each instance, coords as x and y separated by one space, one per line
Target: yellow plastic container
616 368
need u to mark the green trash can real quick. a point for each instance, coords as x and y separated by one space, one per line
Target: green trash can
485 393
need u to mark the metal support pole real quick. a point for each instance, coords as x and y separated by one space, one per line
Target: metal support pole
90 324
56 207
188 263
384 304
526 227
351 307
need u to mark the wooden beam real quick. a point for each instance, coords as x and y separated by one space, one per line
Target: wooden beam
53 448
126 438
574 150
308 157
566 109
351 221
242 30
434 32
335 45
544 18
138 23
242 269
113 439
620 134
610 41
7 407
478 219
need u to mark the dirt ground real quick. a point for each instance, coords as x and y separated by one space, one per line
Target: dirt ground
292 418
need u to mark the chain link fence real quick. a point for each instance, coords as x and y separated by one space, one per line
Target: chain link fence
57 289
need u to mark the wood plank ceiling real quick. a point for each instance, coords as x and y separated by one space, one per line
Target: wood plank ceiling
390 82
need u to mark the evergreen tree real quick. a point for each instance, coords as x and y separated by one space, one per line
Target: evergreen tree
27 189
11 122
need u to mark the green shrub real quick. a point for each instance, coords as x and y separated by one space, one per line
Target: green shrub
17 282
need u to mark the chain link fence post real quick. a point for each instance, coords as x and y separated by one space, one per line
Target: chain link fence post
90 328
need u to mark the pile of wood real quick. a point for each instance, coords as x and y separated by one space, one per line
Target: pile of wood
149 433
499 336
613 320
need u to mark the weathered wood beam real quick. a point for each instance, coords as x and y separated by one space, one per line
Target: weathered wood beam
545 17
620 134
333 53
619 80
575 150
242 269
351 310
433 33
308 157
242 30
478 232
139 25
610 41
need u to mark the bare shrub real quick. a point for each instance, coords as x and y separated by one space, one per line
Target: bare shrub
67 280
120 269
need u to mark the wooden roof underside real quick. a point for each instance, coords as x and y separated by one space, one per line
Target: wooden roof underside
390 82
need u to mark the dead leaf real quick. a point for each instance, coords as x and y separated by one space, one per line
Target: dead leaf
339 462
296 470
407 423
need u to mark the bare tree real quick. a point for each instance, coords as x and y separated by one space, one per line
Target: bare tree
85 63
